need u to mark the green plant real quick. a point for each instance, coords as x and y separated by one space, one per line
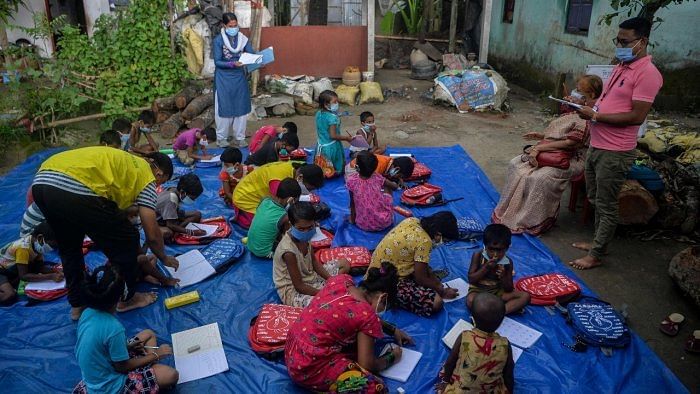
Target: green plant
411 13
9 135
9 7
647 9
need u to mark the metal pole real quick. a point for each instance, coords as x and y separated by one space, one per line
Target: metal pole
453 26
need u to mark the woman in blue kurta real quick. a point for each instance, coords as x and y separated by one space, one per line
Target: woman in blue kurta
232 97
328 131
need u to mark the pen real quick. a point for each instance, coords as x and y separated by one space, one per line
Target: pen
151 347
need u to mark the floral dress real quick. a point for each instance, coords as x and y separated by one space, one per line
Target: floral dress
321 345
373 207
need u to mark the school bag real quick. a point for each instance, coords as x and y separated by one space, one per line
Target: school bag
45 295
597 323
268 330
359 257
422 195
296 155
223 231
469 229
223 252
323 243
421 172
548 289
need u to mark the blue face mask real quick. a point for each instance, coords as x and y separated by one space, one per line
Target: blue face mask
626 55
283 152
303 236
232 31
124 138
578 96
188 200
333 107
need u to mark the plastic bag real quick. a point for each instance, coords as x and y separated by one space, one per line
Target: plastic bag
194 50
320 86
371 92
305 91
347 94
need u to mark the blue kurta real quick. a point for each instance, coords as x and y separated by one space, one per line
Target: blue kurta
230 82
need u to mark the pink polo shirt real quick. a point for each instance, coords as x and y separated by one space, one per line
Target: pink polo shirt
638 81
186 139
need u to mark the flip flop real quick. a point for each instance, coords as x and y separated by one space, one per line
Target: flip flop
671 324
692 345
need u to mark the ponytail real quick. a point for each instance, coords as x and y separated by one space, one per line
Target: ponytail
383 279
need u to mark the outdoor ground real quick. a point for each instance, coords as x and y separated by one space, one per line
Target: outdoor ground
635 273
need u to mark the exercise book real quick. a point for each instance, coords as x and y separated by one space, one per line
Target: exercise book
460 285
404 367
208 228
193 268
199 353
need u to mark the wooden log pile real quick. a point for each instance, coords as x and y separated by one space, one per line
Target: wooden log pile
193 107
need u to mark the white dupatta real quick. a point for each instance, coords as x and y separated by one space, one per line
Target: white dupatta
242 41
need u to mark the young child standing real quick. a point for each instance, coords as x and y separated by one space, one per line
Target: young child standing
328 131
298 276
143 126
232 172
271 219
189 142
491 271
270 133
108 362
481 361
23 259
171 218
370 208
271 151
366 136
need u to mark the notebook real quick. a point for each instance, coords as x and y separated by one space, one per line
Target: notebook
462 289
208 360
250 58
45 285
518 333
214 159
403 368
193 268
268 56
208 228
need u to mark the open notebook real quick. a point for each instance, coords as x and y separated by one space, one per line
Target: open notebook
193 269
403 368
199 353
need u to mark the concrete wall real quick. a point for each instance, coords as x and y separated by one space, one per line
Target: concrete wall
536 47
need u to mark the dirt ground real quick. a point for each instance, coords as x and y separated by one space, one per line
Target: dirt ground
635 273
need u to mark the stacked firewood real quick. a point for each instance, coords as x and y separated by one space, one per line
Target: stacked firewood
192 107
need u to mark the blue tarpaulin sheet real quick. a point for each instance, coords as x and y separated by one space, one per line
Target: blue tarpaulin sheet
36 342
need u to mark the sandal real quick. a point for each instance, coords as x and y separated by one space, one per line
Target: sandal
692 345
671 324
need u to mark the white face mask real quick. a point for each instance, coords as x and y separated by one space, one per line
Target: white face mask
135 221
304 189
42 248
203 142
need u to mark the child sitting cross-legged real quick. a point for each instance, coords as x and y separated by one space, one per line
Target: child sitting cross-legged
108 362
270 219
491 271
366 136
23 259
481 361
298 276
143 125
370 208
171 218
189 142
232 172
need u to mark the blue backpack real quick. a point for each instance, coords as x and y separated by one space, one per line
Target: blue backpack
469 229
596 323
222 253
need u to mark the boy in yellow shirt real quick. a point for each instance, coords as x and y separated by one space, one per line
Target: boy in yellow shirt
23 259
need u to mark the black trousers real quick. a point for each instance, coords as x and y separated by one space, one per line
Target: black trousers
72 216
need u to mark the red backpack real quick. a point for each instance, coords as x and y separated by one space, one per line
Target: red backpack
422 195
359 257
421 172
548 289
297 154
267 334
323 244
47 295
223 231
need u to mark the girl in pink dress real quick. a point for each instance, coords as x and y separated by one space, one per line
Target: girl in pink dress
331 347
370 208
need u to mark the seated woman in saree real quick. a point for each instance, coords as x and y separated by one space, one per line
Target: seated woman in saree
536 179
331 347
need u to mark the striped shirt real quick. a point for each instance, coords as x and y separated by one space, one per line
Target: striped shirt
32 218
147 197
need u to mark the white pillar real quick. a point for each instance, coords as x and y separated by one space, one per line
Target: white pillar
370 34
93 9
485 31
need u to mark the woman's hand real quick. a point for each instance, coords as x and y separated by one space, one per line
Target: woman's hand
533 136
402 338
238 64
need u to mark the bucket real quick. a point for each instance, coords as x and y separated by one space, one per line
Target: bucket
368 76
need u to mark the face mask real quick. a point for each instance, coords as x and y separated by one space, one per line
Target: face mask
626 54
232 31
145 129
43 249
393 172
578 96
303 236
283 152
380 314
188 200
231 170
304 189
333 107
124 138
204 142
503 261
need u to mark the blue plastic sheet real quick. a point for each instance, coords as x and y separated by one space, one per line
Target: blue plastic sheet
36 343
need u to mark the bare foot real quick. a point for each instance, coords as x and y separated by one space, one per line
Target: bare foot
152 280
585 263
75 312
139 300
585 246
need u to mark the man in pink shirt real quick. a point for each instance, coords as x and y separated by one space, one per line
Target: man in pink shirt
615 119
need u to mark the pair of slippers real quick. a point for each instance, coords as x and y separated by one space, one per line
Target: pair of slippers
671 327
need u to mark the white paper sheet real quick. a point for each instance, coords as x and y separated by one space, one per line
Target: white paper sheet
209 360
250 58
171 155
214 159
268 56
402 370
518 333
451 336
319 236
305 197
46 285
517 352
569 103
462 288
210 229
400 155
193 269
